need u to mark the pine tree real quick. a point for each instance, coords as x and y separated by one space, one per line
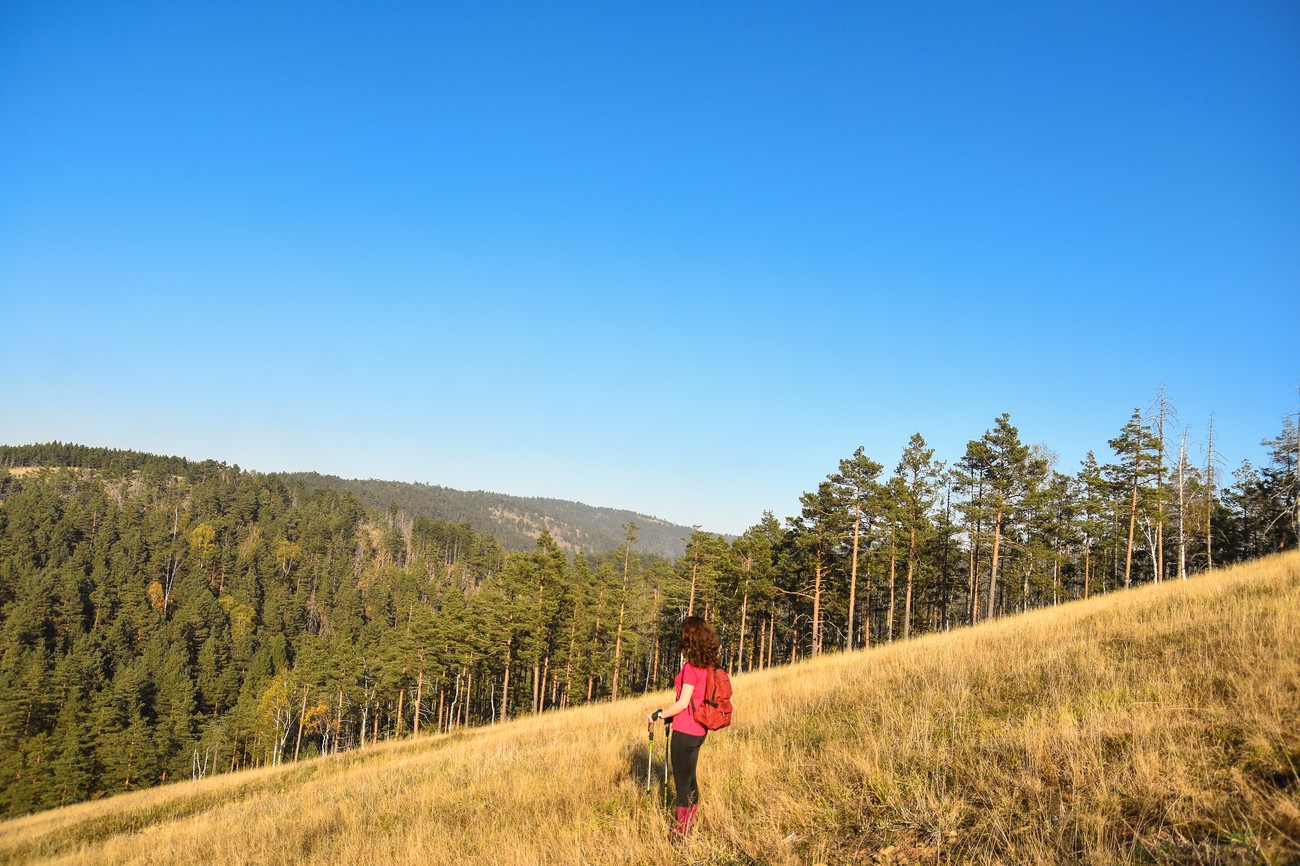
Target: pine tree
174 711
1093 501
1281 481
1213 461
629 538
1163 415
816 535
1136 448
701 567
1002 464
918 474
755 555
855 490
1252 511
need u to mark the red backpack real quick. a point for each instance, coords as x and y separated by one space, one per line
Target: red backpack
714 710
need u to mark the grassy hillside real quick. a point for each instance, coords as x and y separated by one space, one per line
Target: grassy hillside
1154 726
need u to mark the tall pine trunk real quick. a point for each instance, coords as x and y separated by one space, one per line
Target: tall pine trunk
1209 496
911 570
853 569
338 727
1182 508
505 686
695 565
568 661
993 570
893 564
1087 566
622 606
744 612
972 588
819 571
1132 529
419 698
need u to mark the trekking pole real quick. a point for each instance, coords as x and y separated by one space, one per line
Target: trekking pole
668 751
650 762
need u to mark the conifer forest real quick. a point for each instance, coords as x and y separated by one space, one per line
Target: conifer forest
165 619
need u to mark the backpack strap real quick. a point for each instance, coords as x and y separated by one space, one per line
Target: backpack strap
704 692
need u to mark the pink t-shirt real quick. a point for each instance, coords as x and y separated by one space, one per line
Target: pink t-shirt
685 720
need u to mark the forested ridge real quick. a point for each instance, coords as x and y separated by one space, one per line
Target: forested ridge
515 521
162 618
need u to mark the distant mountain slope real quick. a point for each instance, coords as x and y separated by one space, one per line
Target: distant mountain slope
515 521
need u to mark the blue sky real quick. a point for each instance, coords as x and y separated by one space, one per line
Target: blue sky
672 258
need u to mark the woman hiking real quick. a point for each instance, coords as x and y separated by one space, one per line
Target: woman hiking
700 649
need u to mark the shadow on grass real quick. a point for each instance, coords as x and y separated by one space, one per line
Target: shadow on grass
651 774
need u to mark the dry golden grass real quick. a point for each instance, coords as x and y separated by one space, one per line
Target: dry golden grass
1154 726
20 471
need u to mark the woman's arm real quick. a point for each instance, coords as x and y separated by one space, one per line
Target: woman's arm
683 702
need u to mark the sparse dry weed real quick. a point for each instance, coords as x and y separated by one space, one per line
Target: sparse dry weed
1154 726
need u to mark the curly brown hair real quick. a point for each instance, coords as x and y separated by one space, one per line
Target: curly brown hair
700 643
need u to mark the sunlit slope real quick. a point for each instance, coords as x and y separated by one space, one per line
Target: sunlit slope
1154 726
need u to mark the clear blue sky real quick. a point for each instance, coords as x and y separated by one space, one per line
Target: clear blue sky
679 258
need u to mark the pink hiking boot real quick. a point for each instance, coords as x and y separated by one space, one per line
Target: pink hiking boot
685 822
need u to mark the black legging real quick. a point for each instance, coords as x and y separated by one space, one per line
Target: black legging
685 752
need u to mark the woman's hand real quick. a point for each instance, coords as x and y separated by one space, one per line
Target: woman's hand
653 717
